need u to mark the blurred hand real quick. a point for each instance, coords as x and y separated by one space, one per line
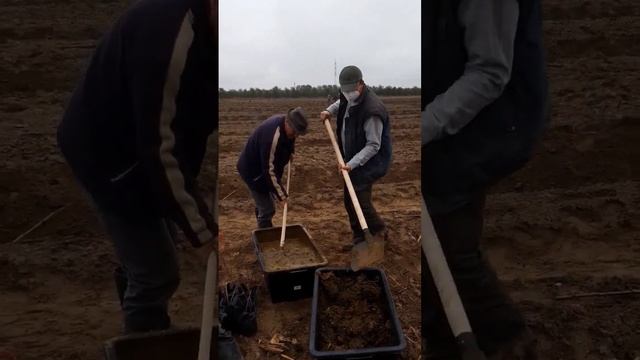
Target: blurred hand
344 167
325 115
205 250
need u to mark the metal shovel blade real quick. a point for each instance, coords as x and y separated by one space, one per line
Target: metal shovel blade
367 253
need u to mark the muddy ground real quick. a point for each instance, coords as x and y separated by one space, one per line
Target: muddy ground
567 223
317 203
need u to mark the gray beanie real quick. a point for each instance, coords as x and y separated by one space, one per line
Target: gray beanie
297 120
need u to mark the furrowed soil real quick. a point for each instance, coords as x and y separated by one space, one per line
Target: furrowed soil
565 224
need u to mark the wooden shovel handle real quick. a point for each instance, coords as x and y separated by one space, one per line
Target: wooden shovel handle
347 179
209 306
446 286
284 212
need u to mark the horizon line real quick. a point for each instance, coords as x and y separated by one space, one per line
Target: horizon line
313 86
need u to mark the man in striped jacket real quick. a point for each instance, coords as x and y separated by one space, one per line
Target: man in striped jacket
135 133
264 157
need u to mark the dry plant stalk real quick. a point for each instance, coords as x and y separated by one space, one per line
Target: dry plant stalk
271 348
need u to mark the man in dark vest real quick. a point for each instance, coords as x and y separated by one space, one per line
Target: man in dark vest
262 161
484 108
365 143
135 134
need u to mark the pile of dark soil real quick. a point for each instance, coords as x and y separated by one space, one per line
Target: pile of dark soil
353 313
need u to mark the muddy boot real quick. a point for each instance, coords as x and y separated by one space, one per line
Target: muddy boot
121 283
356 239
382 235
432 351
262 223
438 343
265 224
173 231
227 347
523 347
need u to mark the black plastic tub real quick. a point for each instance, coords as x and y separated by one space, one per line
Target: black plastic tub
293 281
173 344
392 351
157 345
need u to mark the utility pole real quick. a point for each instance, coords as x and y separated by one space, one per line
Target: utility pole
332 97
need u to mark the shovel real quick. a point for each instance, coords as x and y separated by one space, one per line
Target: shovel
453 308
207 349
284 212
371 250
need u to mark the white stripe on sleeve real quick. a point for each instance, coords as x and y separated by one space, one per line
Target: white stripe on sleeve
172 170
272 169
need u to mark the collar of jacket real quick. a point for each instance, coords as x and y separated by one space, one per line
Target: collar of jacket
200 19
199 10
283 131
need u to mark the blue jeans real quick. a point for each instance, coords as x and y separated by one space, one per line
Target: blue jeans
265 208
149 273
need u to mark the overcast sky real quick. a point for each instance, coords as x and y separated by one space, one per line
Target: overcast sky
267 43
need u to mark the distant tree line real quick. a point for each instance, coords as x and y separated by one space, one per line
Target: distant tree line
299 91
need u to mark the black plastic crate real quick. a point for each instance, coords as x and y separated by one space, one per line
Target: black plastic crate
292 283
392 351
173 344
156 345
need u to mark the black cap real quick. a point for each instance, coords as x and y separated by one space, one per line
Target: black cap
349 78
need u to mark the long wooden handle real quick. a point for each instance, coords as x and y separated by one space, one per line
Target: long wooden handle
209 306
284 212
442 276
347 179
446 286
